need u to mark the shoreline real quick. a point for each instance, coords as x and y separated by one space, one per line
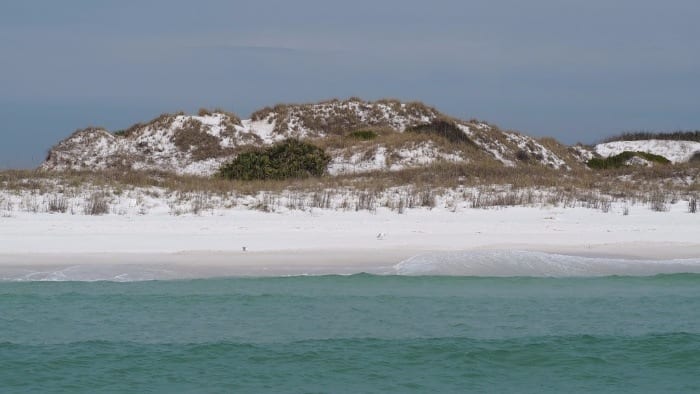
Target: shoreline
276 263
343 256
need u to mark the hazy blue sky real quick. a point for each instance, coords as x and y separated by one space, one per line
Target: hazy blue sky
573 69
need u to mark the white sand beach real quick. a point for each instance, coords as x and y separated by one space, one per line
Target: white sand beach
329 241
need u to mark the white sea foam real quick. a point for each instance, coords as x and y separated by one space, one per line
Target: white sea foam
537 264
88 273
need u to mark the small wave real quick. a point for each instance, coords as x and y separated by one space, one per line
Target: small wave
537 264
89 273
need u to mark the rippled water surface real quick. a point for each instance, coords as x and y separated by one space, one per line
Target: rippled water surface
359 333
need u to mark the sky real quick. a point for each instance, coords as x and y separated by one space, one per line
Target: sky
571 69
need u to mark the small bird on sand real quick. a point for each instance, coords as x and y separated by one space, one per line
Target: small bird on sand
381 236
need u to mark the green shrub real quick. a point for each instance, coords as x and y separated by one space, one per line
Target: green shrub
288 159
443 128
619 160
364 135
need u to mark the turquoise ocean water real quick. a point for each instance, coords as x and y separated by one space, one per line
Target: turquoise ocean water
359 333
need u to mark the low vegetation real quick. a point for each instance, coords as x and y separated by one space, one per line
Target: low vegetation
162 121
648 135
289 159
443 128
364 135
233 118
445 185
201 145
96 204
621 160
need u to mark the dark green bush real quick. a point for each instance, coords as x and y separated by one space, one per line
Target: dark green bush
288 159
443 128
364 135
619 160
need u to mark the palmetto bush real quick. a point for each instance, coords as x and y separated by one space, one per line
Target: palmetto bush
288 159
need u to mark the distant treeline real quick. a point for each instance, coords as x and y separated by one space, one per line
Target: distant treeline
648 135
